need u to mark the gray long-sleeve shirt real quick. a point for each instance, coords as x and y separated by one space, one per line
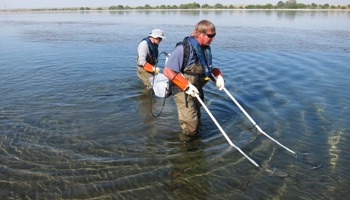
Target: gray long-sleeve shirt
142 51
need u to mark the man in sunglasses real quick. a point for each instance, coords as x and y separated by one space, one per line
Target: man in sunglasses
189 68
147 56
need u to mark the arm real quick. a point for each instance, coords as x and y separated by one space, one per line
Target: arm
172 70
142 52
173 67
178 79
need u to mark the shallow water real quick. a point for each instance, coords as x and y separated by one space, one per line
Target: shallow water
75 122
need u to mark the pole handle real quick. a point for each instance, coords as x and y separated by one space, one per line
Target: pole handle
223 132
254 123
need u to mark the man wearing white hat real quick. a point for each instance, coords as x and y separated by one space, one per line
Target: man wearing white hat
147 56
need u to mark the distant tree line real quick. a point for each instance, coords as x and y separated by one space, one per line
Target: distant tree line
289 4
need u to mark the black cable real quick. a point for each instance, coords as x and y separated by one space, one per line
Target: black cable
152 92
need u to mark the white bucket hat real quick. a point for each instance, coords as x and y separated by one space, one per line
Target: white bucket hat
157 33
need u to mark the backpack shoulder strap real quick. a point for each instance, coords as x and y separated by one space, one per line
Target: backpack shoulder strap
186 46
186 57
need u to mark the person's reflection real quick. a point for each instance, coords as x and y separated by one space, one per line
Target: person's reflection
144 100
188 176
150 105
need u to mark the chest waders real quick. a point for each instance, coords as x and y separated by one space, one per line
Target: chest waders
188 107
151 58
194 74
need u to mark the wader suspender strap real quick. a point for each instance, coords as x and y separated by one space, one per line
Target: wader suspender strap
186 102
186 57
153 49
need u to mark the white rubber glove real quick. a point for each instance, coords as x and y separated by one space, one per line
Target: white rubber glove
191 90
156 70
220 83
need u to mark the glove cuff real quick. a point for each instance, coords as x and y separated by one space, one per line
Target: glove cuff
148 67
181 81
216 72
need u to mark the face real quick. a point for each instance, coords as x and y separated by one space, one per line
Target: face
156 40
205 39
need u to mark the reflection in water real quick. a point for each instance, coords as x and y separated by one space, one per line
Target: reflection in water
145 106
289 15
191 13
188 175
334 151
118 12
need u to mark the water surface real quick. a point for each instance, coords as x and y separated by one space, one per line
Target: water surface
75 122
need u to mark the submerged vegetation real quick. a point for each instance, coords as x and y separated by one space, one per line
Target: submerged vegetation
289 4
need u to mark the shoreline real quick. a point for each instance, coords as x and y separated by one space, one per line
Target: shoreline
160 9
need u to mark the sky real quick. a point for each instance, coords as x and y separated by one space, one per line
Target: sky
13 4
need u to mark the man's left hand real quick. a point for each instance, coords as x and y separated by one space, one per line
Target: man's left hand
220 83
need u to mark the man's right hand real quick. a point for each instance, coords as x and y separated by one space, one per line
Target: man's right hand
191 90
156 70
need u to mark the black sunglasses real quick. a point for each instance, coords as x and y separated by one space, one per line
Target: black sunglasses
210 35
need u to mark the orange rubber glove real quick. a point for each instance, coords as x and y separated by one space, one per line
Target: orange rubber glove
150 68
